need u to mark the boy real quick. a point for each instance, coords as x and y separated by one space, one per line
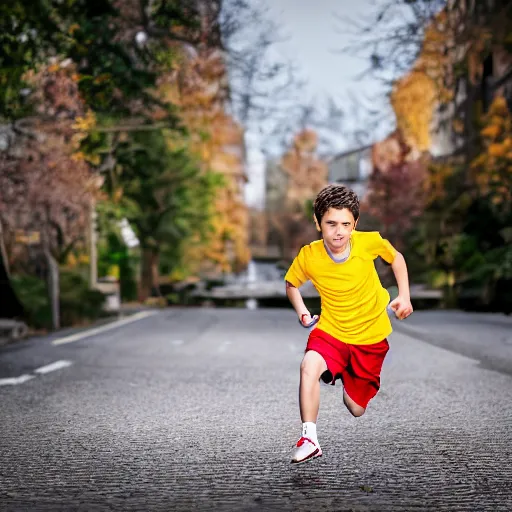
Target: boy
349 341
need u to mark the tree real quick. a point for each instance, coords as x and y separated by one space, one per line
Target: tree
166 198
306 176
200 88
492 169
396 193
116 68
448 43
37 190
255 72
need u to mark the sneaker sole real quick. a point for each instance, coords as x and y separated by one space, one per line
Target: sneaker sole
314 455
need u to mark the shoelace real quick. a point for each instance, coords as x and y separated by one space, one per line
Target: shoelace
302 440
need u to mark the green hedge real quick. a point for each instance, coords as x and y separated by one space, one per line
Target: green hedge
78 303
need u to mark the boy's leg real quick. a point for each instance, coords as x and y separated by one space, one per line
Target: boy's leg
311 368
355 409
323 360
361 380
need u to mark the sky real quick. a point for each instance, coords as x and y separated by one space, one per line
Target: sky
316 37
314 40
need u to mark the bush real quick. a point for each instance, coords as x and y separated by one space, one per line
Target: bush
33 295
78 303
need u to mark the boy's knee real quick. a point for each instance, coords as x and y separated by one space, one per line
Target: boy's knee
356 411
312 365
308 368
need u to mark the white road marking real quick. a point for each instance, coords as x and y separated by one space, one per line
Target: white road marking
103 328
57 365
15 380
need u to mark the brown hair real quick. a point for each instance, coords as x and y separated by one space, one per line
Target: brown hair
336 196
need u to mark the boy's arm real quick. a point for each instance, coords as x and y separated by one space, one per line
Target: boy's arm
295 298
402 304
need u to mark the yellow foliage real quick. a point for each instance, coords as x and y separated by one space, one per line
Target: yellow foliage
71 260
496 150
79 155
492 169
113 271
415 96
198 86
117 195
413 99
85 123
436 184
432 80
491 131
73 28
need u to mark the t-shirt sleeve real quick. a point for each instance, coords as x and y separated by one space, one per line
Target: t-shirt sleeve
381 247
296 274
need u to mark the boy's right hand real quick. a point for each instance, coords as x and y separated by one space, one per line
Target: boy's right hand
307 320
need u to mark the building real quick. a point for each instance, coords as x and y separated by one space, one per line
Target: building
352 168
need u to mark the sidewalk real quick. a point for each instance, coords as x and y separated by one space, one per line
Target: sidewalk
126 310
486 337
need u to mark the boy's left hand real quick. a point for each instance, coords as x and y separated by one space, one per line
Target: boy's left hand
402 307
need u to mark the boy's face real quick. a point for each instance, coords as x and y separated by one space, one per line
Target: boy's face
336 227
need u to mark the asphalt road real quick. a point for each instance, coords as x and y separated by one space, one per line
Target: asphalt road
197 410
486 337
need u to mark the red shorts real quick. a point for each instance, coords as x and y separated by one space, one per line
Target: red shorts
358 366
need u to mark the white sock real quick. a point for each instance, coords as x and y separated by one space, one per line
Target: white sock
309 430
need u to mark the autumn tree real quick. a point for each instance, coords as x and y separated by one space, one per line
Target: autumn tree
166 198
492 169
447 63
46 184
199 85
117 50
396 194
306 175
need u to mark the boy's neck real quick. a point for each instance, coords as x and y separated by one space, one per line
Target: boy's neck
341 253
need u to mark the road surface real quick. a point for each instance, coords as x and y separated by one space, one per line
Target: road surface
196 409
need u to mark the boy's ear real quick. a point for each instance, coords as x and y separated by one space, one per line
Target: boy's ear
316 223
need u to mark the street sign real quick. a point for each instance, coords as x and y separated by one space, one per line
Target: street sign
27 237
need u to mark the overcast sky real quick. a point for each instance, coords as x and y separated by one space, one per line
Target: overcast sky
314 37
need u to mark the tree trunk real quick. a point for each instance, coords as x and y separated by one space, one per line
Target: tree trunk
3 252
53 288
149 274
10 306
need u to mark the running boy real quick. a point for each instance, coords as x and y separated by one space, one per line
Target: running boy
349 341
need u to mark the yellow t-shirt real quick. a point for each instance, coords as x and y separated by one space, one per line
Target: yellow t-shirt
353 299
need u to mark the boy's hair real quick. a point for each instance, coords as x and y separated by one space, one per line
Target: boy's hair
336 196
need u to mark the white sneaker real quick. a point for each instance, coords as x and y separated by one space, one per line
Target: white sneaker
304 450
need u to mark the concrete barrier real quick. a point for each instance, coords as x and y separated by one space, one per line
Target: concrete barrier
11 330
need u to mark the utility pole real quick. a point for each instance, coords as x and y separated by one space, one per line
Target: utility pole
54 287
93 251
